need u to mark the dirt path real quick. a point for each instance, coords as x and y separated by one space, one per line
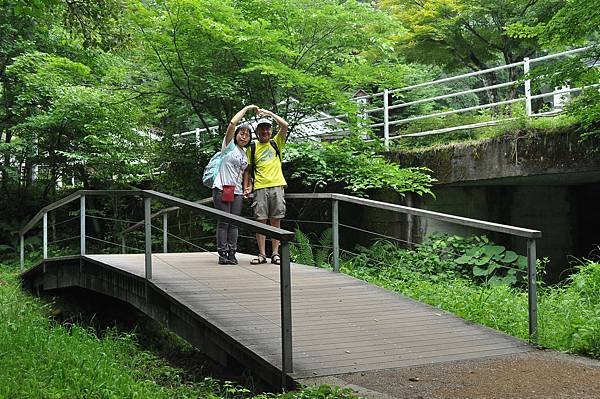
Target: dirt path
532 375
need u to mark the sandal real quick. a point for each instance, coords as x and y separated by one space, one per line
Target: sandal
276 259
259 260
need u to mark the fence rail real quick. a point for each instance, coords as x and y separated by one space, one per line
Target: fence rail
337 125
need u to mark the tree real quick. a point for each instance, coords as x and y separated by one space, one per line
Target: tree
470 33
70 127
575 24
72 29
210 57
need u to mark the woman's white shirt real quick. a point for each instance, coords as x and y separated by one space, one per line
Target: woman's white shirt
232 167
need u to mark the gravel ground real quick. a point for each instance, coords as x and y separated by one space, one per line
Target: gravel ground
531 375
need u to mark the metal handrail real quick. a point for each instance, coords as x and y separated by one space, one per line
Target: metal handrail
530 234
286 236
479 224
525 63
283 235
139 224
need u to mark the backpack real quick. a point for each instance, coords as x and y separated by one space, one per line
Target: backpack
212 169
253 154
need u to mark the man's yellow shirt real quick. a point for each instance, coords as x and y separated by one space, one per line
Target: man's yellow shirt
268 171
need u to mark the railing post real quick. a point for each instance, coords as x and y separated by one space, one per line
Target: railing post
527 87
22 252
532 291
148 237
82 225
386 120
123 246
45 237
165 233
286 313
335 223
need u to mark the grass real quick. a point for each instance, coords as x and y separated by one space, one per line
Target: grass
521 126
43 359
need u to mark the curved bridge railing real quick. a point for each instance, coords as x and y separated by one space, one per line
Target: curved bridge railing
148 195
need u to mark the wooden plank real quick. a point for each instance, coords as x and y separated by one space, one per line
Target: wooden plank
340 324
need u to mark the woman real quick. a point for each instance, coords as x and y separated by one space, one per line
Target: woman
227 189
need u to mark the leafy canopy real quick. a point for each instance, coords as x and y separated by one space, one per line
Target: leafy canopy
210 57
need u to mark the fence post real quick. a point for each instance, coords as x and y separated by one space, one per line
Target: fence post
532 291
148 237
527 87
22 252
335 223
123 246
386 120
82 225
286 313
165 233
45 237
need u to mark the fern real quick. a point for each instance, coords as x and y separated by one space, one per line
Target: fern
301 250
324 251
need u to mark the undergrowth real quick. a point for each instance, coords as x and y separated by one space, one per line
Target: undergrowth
40 358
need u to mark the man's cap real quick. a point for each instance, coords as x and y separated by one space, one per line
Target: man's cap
264 121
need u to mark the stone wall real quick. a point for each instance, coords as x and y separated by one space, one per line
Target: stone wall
549 183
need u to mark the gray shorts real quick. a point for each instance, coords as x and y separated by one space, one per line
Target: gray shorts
269 203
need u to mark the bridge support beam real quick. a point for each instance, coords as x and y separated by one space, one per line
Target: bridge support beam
82 232
532 292
148 236
165 232
286 313
45 237
22 252
335 224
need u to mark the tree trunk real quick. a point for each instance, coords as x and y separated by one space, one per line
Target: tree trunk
490 79
6 164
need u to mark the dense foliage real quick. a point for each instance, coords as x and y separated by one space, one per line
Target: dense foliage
470 33
574 24
352 165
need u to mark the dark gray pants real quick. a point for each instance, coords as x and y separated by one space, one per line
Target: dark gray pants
227 234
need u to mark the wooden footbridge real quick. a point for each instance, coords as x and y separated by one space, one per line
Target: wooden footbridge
284 323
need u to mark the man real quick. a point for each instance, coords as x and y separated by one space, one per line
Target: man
264 159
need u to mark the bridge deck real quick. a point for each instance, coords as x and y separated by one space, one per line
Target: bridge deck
340 324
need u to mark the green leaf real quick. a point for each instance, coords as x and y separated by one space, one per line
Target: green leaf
474 251
506 280
510 257
478 271
493 266
492 250
464 260
483 261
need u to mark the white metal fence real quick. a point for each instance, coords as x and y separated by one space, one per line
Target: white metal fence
387 116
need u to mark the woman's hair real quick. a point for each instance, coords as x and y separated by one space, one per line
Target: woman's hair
239 127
